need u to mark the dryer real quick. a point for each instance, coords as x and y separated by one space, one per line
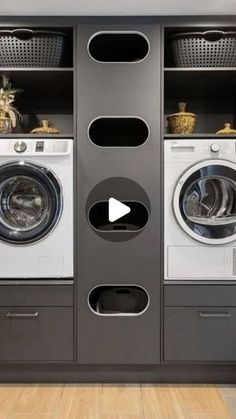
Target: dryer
200 209
36 208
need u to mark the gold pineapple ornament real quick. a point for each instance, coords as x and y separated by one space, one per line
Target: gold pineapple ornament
227 129
45 128
182 122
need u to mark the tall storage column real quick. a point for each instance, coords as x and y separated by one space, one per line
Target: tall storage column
118 156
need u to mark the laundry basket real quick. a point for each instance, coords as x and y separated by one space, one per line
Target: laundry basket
31 48
204 49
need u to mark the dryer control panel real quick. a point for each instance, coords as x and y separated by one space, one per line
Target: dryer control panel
197 150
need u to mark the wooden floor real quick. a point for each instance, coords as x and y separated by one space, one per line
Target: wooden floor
72 401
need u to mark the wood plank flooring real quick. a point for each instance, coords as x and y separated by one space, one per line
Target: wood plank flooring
78 401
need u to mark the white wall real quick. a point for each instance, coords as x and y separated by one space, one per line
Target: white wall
117 7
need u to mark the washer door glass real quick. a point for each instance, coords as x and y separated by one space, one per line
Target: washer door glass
30 202
207 202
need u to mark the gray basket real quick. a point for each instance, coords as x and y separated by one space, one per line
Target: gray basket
31 48
204 49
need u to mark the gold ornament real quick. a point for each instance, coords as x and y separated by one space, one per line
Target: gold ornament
182 122
227 129
45 128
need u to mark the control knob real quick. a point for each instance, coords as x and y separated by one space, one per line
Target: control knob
215 147
20 146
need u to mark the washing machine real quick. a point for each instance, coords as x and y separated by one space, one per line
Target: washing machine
36 208
200 209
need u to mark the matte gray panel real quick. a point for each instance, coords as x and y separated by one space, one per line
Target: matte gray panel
36 295
126 90
46 337
200 334
118 339
200 295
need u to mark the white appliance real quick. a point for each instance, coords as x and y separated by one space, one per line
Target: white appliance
200 209
36 208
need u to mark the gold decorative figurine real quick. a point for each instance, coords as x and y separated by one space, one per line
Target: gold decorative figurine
182 122
45 128
8 113
227 129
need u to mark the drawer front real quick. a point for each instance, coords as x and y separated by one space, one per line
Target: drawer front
36 295
36 334
200 295
200 334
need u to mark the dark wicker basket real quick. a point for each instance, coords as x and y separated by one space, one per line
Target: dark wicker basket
204 49
31 48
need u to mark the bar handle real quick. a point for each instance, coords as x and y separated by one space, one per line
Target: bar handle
11 315
213 315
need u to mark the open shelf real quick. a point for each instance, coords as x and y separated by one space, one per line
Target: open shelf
200 83
209 93
47 94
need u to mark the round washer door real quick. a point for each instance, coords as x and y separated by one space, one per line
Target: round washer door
30 202
205 201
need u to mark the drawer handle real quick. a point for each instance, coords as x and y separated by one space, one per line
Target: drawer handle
213 315
22 315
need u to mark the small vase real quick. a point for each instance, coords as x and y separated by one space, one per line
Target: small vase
182 122
5 124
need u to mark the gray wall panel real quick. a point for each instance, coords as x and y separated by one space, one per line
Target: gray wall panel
118 89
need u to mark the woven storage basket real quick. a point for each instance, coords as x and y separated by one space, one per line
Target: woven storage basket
204 49
31 48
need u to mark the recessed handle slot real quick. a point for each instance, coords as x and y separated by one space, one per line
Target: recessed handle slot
23 34
11 315
135 220
214 315
118 300
118 131
213 36
118 47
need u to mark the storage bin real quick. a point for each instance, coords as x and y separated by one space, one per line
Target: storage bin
31 48
204 49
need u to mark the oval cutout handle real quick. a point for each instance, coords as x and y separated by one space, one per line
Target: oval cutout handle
23 34
213 36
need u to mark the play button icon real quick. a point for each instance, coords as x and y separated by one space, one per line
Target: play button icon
117 210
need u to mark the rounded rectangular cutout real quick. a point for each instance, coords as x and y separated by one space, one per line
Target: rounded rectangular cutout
134 221
118 300
118 47
110 131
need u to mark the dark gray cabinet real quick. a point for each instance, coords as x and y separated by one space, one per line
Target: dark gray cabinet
200 334
36 333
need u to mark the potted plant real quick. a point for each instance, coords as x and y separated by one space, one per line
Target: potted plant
8 113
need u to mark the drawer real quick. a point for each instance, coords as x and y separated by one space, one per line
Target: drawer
200 295
36 295
200 334
36 333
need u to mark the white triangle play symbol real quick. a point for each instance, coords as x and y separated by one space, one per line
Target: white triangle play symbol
117 209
